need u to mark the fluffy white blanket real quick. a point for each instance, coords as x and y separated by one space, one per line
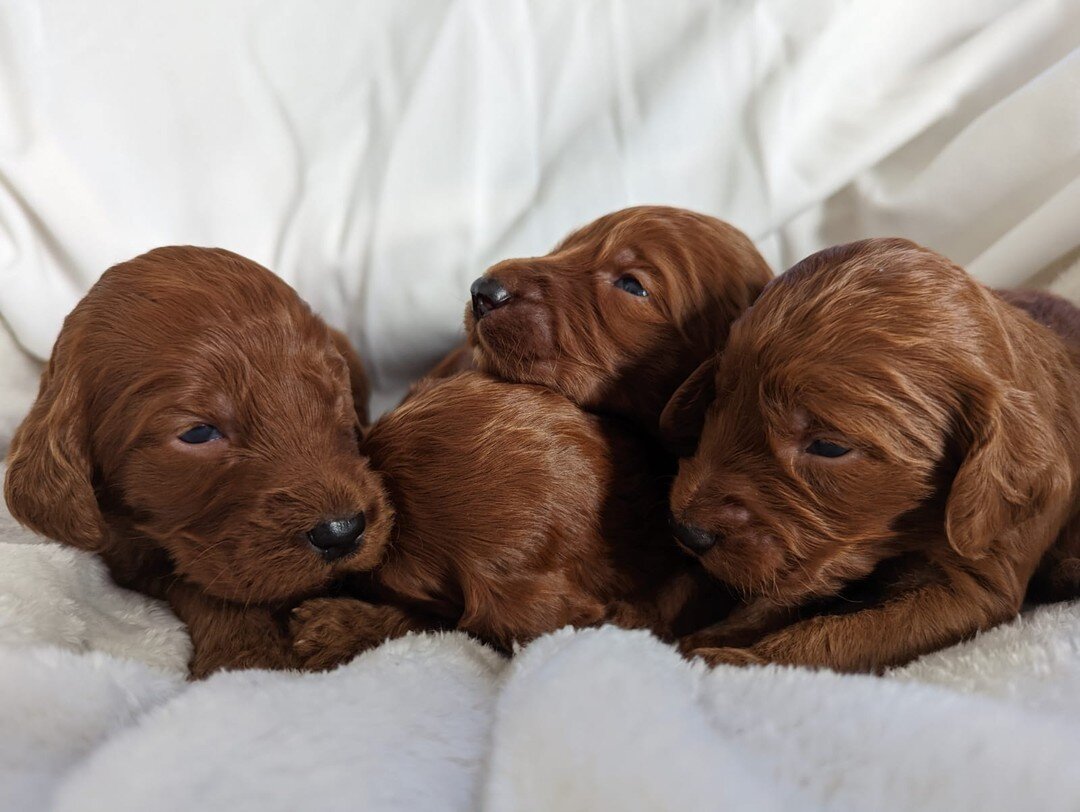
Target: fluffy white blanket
597 719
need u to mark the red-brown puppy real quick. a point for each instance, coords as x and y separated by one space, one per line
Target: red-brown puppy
619 314
888 432
515 513
197 426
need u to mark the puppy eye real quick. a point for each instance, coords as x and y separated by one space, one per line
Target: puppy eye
630 285
202 433
823 448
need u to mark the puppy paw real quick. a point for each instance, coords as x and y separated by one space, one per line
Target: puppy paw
726 656
712 638
327 632
693 642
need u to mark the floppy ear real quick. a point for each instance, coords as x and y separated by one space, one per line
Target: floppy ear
1014 467
684 416
48 486
357 375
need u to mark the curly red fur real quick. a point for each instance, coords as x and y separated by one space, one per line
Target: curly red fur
960 488
515 513
177 337
569 328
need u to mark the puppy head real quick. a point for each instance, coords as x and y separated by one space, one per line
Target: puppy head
873 389
620 312
195 404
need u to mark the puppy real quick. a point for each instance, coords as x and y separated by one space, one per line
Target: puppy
889 461
197 426
619 314
514 513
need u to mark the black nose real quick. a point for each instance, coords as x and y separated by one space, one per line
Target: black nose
487 294
694 538
338 537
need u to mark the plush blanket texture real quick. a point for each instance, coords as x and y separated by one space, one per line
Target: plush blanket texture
596 719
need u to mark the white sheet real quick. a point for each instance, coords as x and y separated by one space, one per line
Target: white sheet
380 155
597 719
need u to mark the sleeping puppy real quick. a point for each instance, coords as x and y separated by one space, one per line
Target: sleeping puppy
514 514
619 314
197 427
891 458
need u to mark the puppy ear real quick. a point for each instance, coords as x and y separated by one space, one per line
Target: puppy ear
48 486
684 416
1013 468
357 375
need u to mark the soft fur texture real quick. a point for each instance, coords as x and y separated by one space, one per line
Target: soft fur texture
958 417
176 338
514 513
567 324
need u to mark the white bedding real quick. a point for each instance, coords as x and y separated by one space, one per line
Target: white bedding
595 719
378 155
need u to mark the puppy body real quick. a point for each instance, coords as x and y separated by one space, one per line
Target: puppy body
889 459
515 514
618 314
1058 576
179 338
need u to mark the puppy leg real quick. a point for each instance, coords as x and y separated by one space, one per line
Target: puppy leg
1058 576
329 631
746 625
228 635
893 633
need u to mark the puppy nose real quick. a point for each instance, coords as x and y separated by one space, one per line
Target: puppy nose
337 537
694 538
488 294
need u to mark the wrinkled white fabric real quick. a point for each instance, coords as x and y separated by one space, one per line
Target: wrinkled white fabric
380 155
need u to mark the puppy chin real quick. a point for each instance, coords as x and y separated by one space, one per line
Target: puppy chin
257 588
752 566
270 573
513 349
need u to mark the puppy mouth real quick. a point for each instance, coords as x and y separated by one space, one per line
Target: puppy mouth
502 319
750 562
511 340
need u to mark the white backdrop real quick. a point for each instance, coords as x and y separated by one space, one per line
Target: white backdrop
379 155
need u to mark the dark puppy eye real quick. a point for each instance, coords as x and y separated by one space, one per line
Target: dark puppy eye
202 433
630 285
823 448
